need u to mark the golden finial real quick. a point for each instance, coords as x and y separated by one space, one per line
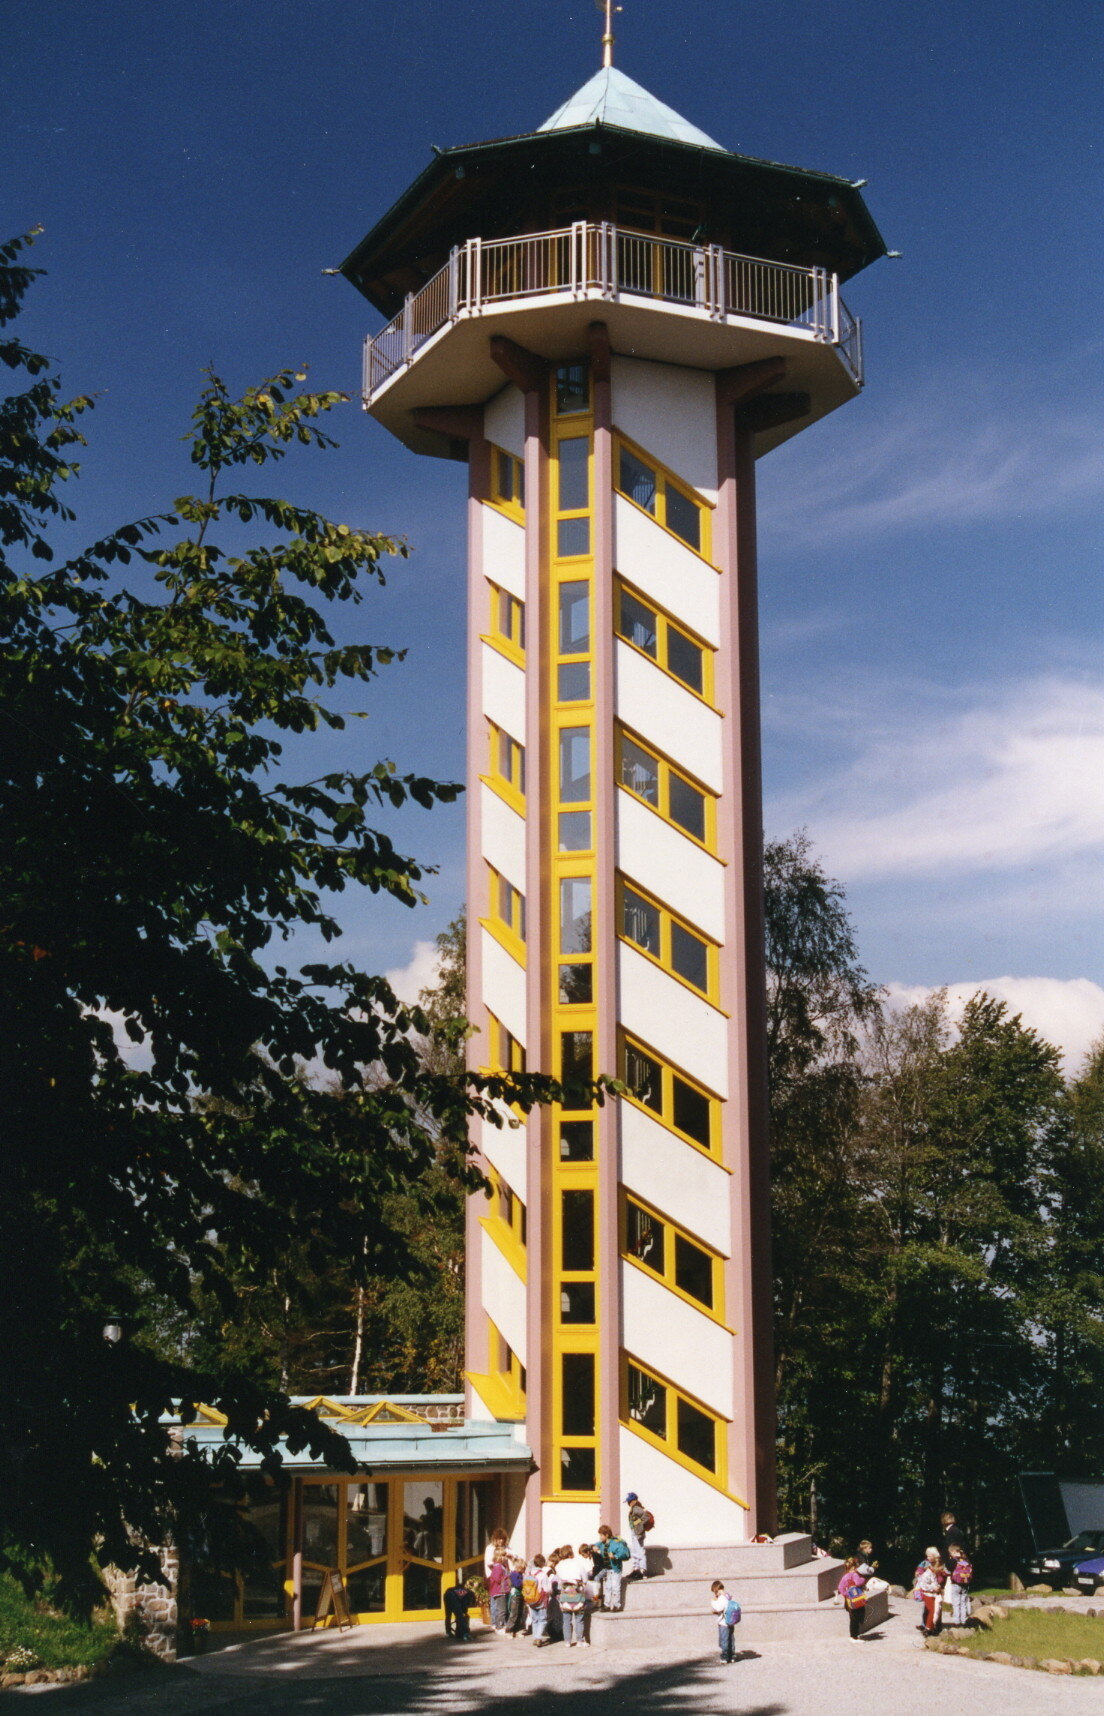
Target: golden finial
608 8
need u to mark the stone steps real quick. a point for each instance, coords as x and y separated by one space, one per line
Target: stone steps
765 1623
783 1590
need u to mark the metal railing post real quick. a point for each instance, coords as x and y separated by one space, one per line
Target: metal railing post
407 328
475 273
453 283
578 258
835 310
701 294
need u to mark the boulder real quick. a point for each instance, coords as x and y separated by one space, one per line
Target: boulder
983 1615
1040 1590
1089 1665
1056 1665
897 1591
1001 1656
999 1612
1016 1585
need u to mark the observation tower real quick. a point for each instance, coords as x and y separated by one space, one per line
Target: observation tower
609 320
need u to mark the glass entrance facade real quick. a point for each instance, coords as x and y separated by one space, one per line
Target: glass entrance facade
396 1542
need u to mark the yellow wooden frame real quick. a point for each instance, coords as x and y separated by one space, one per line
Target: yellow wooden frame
509 786
668 1443
507 496
667 919
665 1113
665 768
503 898
672 1232
666 477
666 623
508 639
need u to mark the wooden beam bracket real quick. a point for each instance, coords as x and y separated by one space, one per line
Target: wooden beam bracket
524 368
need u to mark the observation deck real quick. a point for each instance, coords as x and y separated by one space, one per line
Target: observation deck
700 306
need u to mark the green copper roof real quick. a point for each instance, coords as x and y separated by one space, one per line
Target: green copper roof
611 98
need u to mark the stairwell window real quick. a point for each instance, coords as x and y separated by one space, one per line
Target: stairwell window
666 1415
660 784
659 493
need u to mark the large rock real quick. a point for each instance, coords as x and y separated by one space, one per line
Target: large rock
1055 1665
1001 1656
1040 1590
1089 1665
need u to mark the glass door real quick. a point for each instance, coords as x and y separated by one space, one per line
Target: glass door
367 1536
422 1546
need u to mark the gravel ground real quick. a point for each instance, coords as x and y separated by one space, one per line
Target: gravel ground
392 1671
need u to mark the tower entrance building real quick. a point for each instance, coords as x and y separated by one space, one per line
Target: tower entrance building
610 319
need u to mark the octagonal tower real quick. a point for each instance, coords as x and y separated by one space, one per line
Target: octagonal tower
610 319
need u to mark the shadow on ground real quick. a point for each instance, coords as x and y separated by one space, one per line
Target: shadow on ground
424 1676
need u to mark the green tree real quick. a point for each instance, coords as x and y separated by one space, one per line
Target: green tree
154 856
818 998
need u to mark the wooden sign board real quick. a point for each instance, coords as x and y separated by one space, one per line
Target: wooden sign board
333 1596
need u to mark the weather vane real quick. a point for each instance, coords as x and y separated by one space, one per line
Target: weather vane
608 8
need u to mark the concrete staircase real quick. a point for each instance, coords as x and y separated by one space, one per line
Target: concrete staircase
784 1592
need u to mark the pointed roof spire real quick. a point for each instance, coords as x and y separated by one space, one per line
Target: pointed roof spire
608 7
611 98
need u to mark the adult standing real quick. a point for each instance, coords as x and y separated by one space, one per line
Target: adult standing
951 1538
639 1519
498 1545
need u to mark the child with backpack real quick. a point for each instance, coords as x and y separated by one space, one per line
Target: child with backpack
852 1588
959 1585
536 1588
614 1552
727 1611
458 1600
498 1590
515 1600
641 1521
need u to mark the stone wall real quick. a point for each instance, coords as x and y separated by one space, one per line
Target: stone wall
147 1611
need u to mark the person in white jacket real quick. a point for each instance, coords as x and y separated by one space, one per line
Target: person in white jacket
573 1575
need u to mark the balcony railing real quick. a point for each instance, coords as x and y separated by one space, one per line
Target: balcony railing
585 261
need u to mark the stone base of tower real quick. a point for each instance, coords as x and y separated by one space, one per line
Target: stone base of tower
784 1591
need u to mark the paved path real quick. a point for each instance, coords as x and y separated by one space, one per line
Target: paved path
414 1671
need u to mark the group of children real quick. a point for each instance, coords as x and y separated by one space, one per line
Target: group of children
549 1597
943 1574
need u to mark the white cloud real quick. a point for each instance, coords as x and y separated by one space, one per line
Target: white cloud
1014 777
965 449
1069 1014
420 970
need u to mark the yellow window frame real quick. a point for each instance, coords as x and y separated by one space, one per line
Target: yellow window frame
667 922
503 1384
506 1222
665 624
671 1233
566 1345
505 918
667 771
665 1113
666 478
507 624
507 486
509 782
668 1442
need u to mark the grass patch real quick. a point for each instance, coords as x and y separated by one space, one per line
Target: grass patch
56 1640
1040 1633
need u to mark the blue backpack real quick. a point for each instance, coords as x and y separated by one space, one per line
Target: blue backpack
732 1612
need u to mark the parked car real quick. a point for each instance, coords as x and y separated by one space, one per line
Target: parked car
1055 1566
1088 1576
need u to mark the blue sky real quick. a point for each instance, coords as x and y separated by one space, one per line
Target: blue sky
929 557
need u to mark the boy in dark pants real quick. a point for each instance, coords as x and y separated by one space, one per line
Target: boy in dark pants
458 1600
